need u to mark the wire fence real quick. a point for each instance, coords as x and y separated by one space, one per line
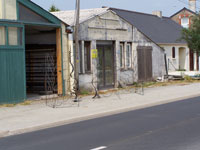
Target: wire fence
73 99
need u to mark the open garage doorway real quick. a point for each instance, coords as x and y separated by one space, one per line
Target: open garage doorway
41 61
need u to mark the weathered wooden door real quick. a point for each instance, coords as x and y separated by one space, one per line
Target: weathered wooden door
105 66
144 63
12 64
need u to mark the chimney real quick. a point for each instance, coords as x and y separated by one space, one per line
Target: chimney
157 13
192 5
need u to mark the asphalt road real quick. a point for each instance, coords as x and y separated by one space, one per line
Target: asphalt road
173 126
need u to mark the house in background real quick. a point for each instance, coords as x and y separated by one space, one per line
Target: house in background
163 31
125 54
184 18
34 57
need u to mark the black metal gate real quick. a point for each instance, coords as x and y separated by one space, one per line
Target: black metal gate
144 54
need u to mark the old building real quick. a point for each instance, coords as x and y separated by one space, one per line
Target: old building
33 52
164 32
113 51
184 18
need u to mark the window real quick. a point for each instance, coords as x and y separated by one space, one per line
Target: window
173 52
121 55
11 36
2 36
79 56
128 56
87 56
8 9
1 9
185 22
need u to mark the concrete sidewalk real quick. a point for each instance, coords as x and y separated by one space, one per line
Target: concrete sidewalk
21 119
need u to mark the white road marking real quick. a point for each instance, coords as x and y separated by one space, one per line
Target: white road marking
99 148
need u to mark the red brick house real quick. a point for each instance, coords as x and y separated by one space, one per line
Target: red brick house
184 18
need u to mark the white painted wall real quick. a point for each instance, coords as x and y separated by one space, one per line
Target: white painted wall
67 45
8 9
173 63
110 27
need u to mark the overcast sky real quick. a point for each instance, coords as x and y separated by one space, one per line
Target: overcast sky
168 7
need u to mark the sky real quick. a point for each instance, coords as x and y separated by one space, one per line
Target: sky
168 7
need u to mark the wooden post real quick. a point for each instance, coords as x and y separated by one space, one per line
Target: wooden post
59 61
76 61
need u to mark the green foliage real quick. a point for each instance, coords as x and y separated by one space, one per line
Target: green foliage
181 70
188 78
192 34
53 8
84 93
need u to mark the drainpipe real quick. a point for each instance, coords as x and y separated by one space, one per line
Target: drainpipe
165 57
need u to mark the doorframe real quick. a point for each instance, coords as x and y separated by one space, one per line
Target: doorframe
101 44
191 58
144 49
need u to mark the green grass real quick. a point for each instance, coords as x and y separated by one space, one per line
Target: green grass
25 103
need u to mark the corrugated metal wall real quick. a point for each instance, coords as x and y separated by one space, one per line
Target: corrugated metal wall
12 75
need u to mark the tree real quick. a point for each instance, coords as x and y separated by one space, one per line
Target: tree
53 8
192 34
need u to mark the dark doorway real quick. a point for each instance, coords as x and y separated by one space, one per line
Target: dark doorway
105 66
144 63
191 60
197 55
41 60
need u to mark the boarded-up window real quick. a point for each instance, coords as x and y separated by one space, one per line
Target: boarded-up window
121 55
128 56
173 52
87 56
8 9
2 36
12 36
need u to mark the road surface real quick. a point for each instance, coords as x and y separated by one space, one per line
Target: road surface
173 126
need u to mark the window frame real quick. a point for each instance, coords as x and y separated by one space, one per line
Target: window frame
4 32
87 56
122 55
130 55
173 53
185 25
20 38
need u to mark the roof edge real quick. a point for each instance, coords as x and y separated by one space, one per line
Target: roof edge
184 8
136 12
35 7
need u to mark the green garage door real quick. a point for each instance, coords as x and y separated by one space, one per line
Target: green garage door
12 64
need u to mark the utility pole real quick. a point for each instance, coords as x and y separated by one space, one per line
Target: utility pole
76 58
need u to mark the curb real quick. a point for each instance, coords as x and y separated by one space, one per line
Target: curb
89 117
3 133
